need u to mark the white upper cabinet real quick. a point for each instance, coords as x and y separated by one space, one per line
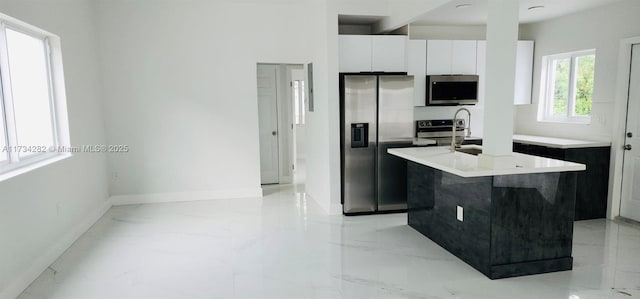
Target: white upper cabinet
451 57
417 67
463 61
481 68
354 53
366 53
389 53
439 55
524 72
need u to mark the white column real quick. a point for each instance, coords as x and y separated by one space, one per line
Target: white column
502 42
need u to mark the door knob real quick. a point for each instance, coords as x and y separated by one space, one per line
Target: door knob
627 147
629 134
274 133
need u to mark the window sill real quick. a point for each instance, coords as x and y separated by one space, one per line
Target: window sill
567 121
29 167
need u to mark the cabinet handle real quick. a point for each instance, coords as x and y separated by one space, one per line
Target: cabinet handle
627 147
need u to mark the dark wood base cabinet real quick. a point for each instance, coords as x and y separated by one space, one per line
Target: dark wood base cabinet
592 184
511 225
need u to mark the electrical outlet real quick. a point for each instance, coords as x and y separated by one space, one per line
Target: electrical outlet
460 213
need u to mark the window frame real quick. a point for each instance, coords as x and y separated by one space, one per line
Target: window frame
547 92
15 165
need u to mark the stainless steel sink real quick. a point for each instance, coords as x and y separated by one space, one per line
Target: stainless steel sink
470 150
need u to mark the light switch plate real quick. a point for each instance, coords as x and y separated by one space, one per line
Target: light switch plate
460 213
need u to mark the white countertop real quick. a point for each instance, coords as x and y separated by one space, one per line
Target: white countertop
466 165
558 142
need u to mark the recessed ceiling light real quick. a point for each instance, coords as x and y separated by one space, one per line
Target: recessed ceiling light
465 5
536 7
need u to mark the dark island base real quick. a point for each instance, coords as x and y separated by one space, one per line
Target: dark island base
514 225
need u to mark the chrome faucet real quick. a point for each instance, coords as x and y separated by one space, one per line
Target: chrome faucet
455 128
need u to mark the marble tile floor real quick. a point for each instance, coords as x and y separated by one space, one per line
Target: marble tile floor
284 246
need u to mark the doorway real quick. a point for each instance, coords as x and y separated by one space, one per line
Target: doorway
299 99
630 197
275 86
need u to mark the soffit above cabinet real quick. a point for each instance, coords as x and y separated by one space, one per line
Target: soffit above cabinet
476 14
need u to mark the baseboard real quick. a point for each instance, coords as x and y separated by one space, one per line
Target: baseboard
23 280
331 209
121 200
336 209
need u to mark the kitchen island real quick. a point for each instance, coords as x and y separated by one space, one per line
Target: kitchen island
504 223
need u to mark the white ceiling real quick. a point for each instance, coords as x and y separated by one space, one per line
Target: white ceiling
476 14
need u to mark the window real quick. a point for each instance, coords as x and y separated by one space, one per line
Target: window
298 99
33 123
568 90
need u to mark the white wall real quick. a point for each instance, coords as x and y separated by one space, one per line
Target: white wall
182 87
448 32
323 144
461 32
403 12
355 29
601 29
42 211
360 7
301 142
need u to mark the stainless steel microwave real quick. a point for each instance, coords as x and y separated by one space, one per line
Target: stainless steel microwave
452 90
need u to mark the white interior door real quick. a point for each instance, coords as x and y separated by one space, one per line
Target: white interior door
630 205
268 122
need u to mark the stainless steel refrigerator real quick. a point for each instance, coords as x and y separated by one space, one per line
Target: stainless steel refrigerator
376 114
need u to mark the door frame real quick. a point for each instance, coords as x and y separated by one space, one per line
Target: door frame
618 140
285 119
297 74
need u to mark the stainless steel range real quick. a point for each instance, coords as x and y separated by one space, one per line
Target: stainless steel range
440 130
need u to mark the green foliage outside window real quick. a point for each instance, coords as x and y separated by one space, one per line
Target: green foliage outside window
584 84
561 86
583 89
